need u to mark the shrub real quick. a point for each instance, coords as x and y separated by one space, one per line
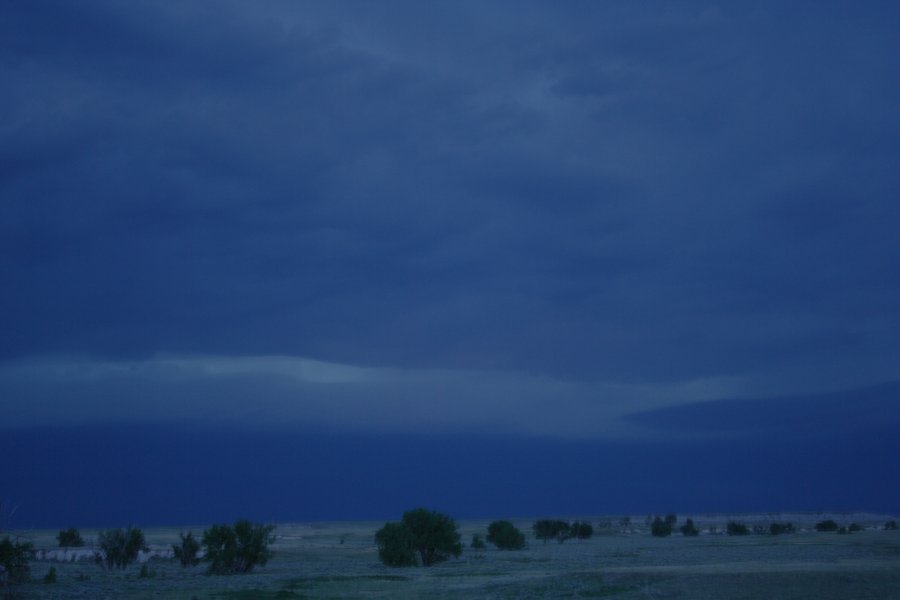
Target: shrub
735 528
660 528
50 577
890 526
146 572
477 542
582 530
120 547
14 567
547 529
69 538
237 549
827 525
854 527
186 552
429 534
779 528
689 529
395 545
505 536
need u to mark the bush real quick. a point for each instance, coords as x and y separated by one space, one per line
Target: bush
735 528
890 526
547 529
395 545
827 525
14 567
854 527
581 530
429 534
660 528
69 538
50 577
505 536
120 547
477 542
689 529
779 528
186 552
146 572
237 549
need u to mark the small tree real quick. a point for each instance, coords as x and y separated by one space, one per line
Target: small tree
780 528
69 538
547 529
890 526
395 545
237 549
505 536
186 552
477 542
14 567
429 534
120 547
689 529
735 528
435 537
581 530
826 525
660 528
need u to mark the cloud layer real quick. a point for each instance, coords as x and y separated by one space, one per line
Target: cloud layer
483 212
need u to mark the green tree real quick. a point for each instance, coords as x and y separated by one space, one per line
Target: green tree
395 545
120 547
548 529
14 567
69 538
237 549
780 528
186 552
430 535
827 525
581 530
660 528
505 536
435 537
689 529
735 528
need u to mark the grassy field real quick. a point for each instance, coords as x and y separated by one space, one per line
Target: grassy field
339 560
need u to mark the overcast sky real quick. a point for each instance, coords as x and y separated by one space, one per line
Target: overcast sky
546 219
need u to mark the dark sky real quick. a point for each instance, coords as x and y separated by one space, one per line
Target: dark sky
613 240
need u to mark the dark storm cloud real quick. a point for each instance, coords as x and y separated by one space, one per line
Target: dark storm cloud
658 195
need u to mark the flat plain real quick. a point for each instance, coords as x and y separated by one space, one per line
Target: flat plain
339 560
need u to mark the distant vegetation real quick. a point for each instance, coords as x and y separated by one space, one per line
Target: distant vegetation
14 568
550 529
827 525
663 527
780 528
505 536
187 551
237 549
427 535
69 538
689 529
555 529
477 542
890 526
120 547
736 528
